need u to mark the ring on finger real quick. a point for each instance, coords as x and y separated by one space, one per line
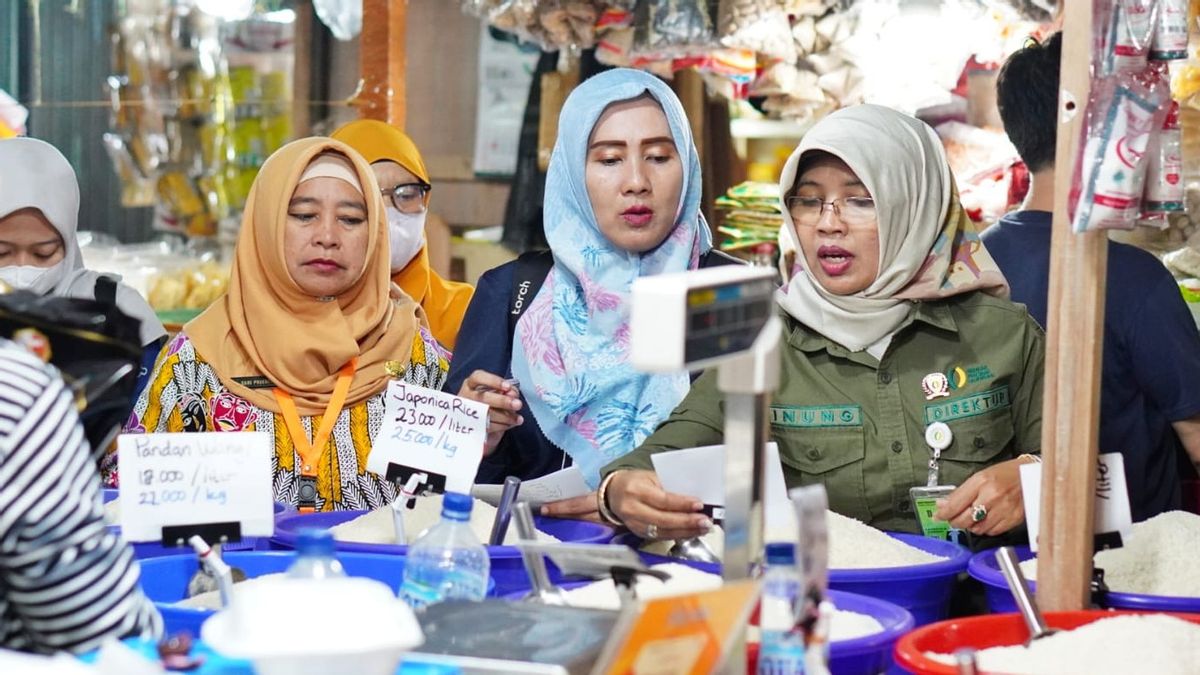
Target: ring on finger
978 513
652 531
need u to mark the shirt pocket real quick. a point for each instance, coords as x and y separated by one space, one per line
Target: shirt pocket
978 442
830 457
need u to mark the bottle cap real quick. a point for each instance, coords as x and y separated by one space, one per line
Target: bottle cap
781 553
314 541
457 505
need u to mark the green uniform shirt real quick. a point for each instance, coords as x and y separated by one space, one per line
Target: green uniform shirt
858 426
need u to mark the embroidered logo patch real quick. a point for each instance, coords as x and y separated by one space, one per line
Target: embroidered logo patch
960 377
968 406
810 417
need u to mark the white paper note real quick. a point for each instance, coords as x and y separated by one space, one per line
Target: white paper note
563 484
1112 497
431 431
195 478
700 473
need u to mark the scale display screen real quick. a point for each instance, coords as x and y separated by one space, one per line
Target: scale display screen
725 319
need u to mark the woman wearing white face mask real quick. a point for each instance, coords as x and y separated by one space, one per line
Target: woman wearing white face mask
405 183
39 252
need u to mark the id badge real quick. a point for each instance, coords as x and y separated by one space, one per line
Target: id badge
924 501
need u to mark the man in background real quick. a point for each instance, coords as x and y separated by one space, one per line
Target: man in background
1150 384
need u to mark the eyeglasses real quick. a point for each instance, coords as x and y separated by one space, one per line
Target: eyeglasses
408 197
853 211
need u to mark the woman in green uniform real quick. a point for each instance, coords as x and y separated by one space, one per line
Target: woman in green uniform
895 325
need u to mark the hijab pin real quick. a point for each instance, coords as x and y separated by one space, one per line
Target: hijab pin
935 385
394 369
326 298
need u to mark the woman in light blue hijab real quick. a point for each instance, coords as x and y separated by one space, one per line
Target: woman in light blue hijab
622 201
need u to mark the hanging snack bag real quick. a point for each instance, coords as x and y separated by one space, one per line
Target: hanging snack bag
1164 171
1170 39
1124 114
1128 33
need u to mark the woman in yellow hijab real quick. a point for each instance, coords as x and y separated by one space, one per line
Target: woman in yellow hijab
405 186
303 344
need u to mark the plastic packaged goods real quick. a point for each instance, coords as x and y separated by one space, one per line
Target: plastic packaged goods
1164 190
1128 30
760 25
448 562
668 27
1170 40
1124 113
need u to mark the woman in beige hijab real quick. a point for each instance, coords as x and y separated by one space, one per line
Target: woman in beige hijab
309 334
903 363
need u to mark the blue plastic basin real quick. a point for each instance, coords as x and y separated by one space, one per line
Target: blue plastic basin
866 655
577 531
983 566
923 590
508 570
151 549
165 579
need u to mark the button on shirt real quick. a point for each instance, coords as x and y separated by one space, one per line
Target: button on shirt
857 425
1151 360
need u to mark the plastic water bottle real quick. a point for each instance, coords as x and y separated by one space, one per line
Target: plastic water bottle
315 556
782 649
447 562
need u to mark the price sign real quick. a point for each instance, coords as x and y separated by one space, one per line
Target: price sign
432 432
1111 503
170 480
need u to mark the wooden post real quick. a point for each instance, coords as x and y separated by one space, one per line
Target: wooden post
302 70
381 58
1075 322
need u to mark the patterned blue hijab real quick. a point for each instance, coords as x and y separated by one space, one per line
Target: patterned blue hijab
571 352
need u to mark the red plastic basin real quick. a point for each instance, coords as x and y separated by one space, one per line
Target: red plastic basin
981 632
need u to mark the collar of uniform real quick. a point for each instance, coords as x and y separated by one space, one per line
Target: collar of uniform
936 314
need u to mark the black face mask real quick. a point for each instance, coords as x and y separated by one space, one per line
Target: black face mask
95 346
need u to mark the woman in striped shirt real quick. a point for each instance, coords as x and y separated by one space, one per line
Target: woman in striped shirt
66 583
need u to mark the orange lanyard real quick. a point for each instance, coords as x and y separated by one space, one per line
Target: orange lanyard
311 452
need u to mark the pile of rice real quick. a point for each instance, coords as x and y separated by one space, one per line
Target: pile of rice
377 527
852 545
1151 643
683 579
1159 558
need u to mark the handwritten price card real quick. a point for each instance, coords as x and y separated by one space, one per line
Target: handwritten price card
195 479
430 431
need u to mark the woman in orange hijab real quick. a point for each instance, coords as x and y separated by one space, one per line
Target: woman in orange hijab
305 341
405 181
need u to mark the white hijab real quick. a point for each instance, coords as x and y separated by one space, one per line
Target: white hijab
928 248
34 174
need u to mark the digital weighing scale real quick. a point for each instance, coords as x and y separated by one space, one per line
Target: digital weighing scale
723 317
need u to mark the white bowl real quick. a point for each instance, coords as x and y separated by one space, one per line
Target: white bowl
297 627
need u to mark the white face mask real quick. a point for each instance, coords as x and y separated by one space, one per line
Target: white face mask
40 280
406 232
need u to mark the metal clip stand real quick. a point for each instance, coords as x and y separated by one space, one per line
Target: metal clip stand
747 382
535 565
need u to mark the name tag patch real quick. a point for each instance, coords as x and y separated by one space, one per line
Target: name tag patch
257 382
968 406
811 417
